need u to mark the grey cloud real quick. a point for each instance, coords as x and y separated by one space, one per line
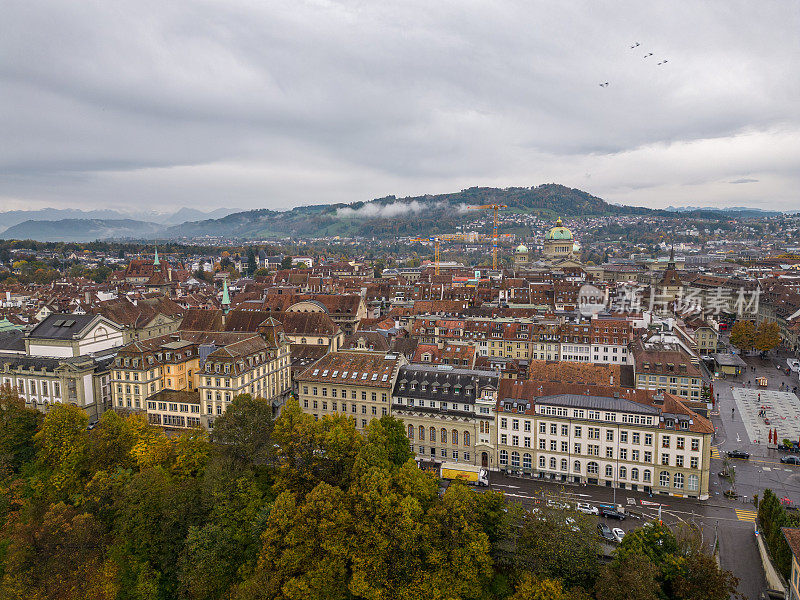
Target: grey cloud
744 180
291 102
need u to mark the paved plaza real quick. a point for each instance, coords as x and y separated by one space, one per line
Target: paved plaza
782 410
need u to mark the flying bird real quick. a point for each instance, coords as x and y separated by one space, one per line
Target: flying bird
634 46
604 84
663 62
648 54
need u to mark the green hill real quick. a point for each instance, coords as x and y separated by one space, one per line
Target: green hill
392 216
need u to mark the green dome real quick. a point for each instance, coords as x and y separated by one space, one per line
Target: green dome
559 232
522 249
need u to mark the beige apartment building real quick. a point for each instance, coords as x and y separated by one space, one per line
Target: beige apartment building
212 368
356 384
626 439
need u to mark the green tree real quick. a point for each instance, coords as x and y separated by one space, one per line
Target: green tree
154 513
306 552
633 577
559 544
18 425
286 263
389 432
533 588
252 264
207 568
743 336
699 578
62 441
244 432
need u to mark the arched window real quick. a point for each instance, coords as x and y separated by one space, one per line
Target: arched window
481 426
541 462
694 483
623 473
635 474
609 471
432 433
678 481
576 466
503 457
592 468
564 464
526 461
454 437
302 340
466 438
552 463
646 475
421 433
663 479
411 432
515 459
444 435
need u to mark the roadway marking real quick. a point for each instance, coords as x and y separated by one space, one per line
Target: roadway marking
513 487
746 515
714 452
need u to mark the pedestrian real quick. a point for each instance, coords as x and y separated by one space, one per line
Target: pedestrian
732 409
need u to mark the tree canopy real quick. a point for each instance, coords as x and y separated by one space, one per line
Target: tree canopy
288 509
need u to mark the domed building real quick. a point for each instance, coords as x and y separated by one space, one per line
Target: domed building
558 243
521 256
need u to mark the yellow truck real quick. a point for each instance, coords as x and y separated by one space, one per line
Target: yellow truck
472 474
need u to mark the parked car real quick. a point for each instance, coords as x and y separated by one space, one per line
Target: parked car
586 508
790 460
618 534
738 454
557 505
604 531
610 513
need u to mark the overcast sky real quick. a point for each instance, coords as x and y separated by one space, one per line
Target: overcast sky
157 105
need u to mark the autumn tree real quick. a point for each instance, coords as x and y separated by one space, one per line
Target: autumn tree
57 556
743 336
767 336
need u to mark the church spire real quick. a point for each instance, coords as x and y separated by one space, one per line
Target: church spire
226 299
156 262
671 263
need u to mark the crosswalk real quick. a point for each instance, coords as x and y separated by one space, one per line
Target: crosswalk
714 452
746 515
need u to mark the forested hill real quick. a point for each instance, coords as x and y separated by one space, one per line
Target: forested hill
417 215
382 217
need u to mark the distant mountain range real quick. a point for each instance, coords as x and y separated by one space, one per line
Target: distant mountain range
13 217
741 211
82 230
383 217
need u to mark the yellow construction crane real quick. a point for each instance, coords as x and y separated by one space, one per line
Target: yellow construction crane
494 208
436 241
